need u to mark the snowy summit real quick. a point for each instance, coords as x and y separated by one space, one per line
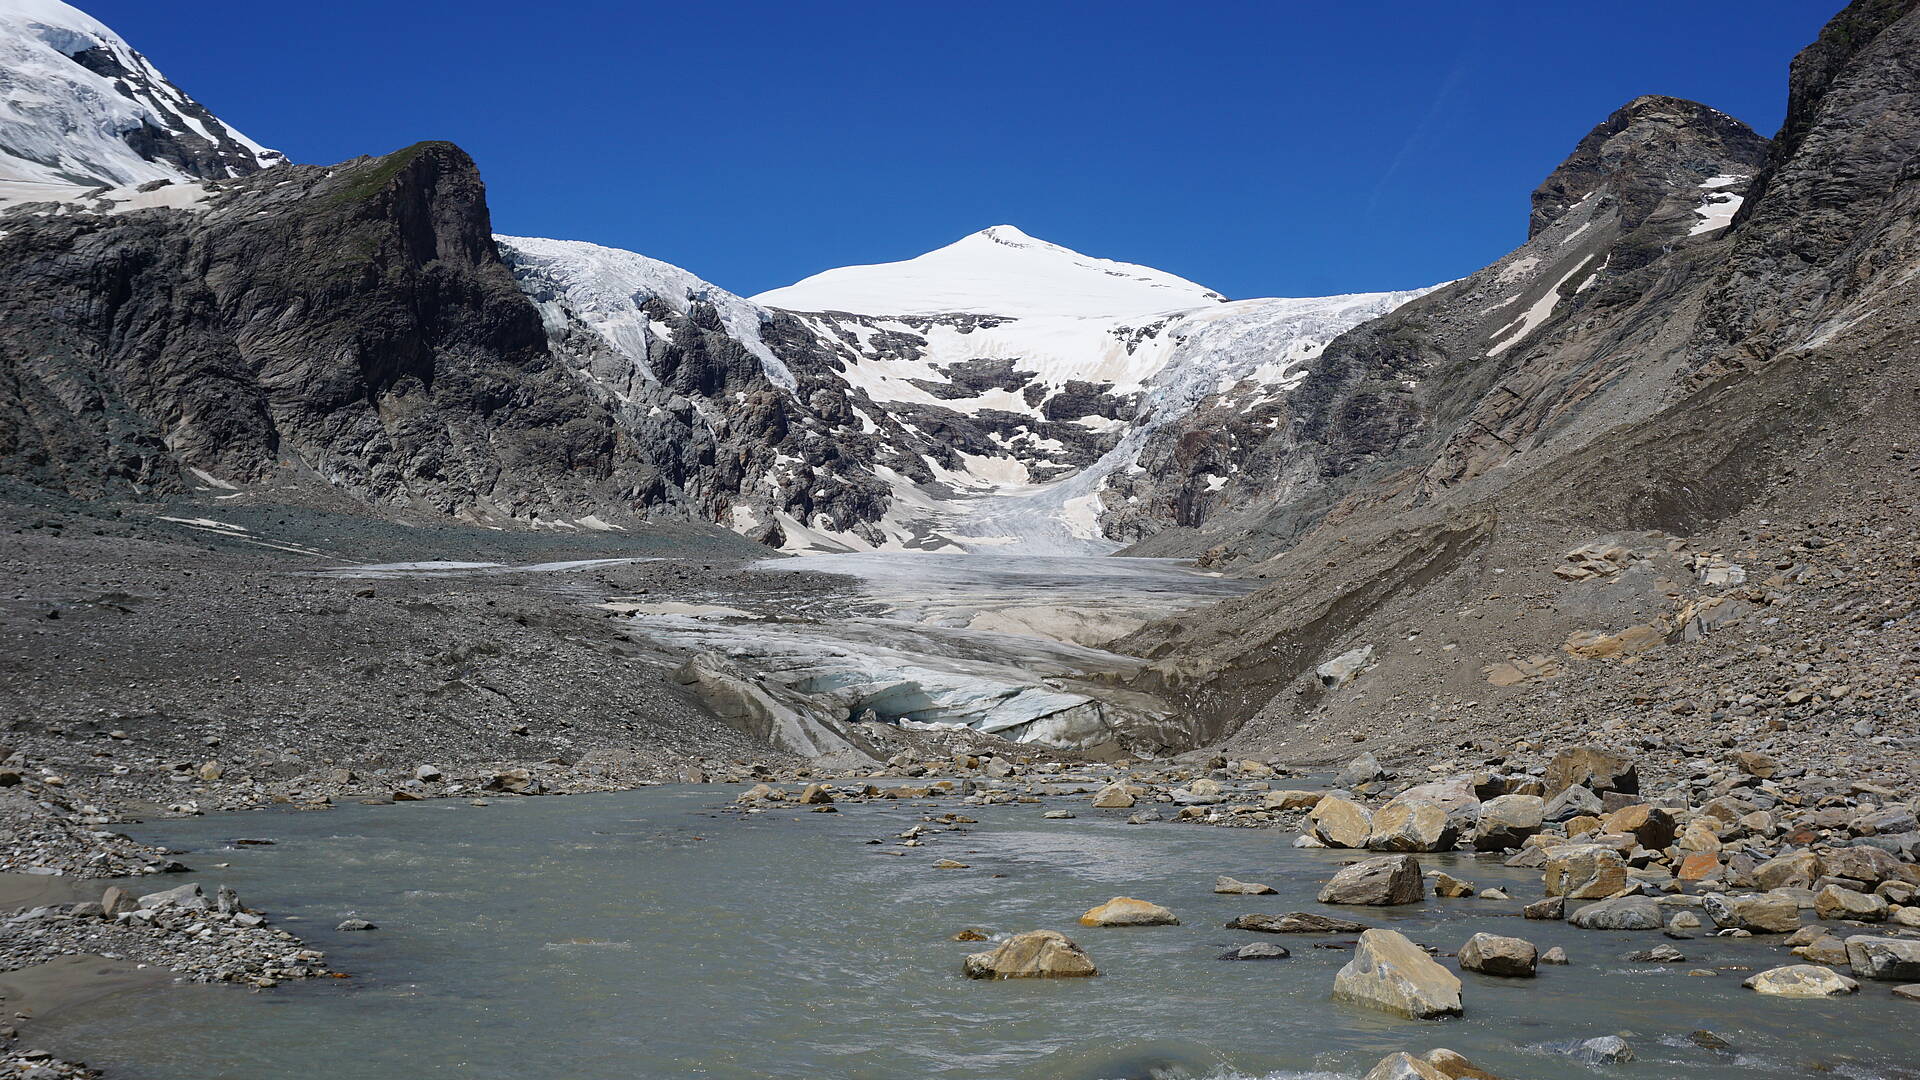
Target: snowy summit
1000 271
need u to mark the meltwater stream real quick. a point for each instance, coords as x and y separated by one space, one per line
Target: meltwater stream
653 934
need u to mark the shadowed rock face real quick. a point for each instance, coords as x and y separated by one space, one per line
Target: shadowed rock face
354 325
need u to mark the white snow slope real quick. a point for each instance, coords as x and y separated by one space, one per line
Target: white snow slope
62 126
1001 271
605 287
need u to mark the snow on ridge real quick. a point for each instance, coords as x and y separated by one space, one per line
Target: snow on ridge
1267 342
62 125
606 286
996 271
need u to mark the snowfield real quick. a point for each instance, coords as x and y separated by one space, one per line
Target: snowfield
65 124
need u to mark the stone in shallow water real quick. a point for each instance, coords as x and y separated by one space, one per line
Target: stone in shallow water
1759 913
1383 882
1036 954
1404 1066
1507 821
1801 981
1454 1066
1126 911
1491 954
1884 957
1259 950
1295 922
1236 887
1341 823
1622 913
1392 974
1113 797
1585 871
1605 1050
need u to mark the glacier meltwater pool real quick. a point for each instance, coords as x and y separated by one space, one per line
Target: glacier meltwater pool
656 933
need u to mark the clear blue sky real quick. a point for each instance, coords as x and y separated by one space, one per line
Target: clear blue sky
1261 148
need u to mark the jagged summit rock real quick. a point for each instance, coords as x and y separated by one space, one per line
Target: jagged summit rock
1648 151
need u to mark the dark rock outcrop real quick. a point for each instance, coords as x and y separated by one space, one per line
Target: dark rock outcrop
353 326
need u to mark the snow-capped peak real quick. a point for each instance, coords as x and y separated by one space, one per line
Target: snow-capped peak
996 271
82 108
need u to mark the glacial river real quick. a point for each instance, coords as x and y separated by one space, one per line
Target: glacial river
653 934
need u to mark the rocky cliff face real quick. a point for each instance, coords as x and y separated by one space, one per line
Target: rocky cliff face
1464 377
350 326
1659 367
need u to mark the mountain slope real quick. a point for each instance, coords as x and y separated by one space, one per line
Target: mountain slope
1041 372
83 109
1512 522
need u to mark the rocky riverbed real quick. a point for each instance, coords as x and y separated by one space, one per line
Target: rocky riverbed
861 903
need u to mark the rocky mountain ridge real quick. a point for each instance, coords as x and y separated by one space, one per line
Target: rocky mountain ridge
1727 384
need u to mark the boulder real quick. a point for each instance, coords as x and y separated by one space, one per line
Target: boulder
1341 823
1506 822
1801 981
1897 959
1412 826
1867 865
1593 768
815 795
1605 1050
1839 902
1585 871
1291 800
1650 826
188 897
1620 913
1236 887
1451 887
1553 907
1295 922
1491 954
1571 803
1361 770
1392 974
1794 870
1036 954
1126 911
1385 881
1113 797
1455 795
1756 913
1404 1066
116 900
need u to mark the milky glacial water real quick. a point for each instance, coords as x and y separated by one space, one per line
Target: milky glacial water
651 934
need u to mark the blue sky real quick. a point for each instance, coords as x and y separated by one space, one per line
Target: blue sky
1274 148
